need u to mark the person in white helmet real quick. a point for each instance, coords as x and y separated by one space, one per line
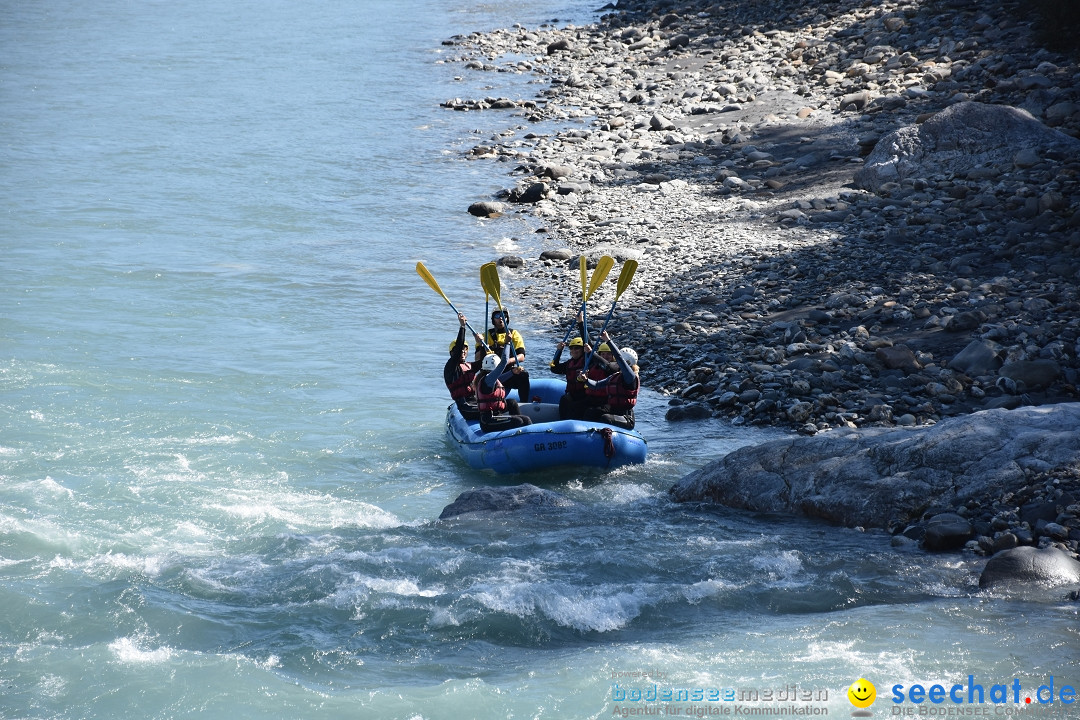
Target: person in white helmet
497 411
621 389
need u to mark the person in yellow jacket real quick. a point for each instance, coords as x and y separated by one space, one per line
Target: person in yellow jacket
499 336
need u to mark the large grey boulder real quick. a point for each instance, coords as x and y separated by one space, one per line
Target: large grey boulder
958 139
1024 566
888 477
1034 374
980 357
947 531
502 499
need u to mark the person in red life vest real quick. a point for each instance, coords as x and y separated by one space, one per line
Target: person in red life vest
497 412
575 400
601 365
458 373
621 388
499 336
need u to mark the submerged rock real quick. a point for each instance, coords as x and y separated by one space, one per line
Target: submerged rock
504 499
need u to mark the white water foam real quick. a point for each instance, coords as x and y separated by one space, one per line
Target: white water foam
132 650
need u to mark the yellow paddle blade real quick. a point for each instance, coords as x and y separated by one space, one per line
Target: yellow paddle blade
629 267
583 267
603 267
483 281
493 275
489 280
430 280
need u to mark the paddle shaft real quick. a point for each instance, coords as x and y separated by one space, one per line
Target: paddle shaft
430 280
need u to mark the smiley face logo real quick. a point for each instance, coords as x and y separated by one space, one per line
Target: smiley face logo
862 693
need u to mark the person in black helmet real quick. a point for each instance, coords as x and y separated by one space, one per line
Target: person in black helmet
501 335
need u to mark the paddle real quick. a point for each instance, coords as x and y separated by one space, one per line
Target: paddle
487 295
489 280
625 276
430 280
490 270
603 267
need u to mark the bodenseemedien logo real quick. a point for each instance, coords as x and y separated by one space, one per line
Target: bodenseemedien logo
862 694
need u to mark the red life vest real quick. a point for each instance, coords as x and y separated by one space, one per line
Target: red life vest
597 372
620 398
493 403
461 387
573 369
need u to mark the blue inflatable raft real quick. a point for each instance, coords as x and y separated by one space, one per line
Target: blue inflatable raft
549 442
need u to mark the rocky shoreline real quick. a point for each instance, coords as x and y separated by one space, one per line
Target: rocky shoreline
846 215
720 150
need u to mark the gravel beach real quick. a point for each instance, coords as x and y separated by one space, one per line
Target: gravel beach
820 245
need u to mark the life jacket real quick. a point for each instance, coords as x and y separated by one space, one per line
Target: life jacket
620 398
573 369
598 371
461 387
491 403
496 340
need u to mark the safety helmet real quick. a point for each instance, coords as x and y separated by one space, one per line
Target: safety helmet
631 355
490 363
504 313
604 347
454 344
577 342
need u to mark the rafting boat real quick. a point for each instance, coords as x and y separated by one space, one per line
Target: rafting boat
548 442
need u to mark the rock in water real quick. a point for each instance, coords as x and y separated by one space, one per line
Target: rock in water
947 531
531 193
1048 567
503 499
486 209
